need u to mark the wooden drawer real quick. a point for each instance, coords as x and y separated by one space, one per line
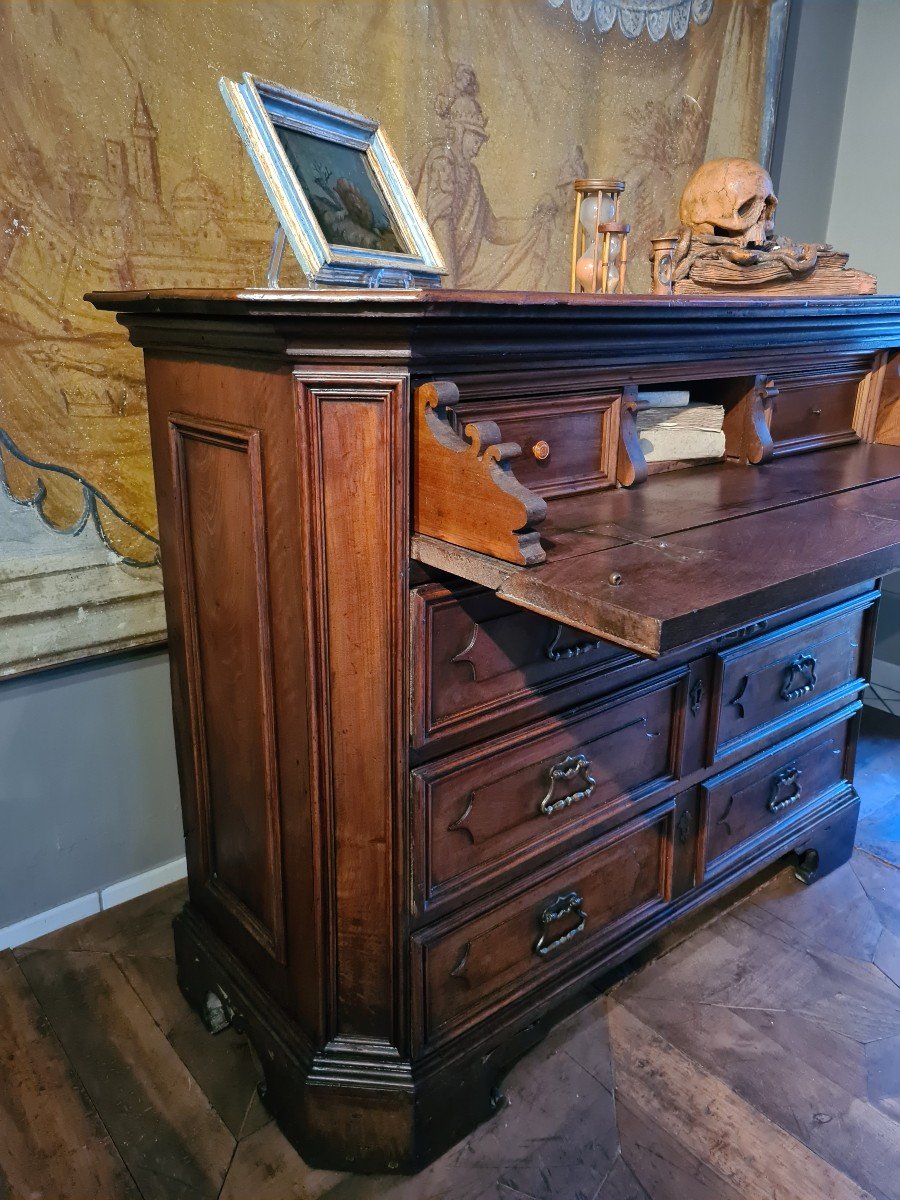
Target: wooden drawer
471 966
817 406
576 438
774 679
746 805
485 811
477 658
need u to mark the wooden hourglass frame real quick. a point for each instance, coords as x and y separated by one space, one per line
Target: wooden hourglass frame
595 250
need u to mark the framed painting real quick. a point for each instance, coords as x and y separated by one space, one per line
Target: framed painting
341 197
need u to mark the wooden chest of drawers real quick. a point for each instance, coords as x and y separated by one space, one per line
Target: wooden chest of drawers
457 731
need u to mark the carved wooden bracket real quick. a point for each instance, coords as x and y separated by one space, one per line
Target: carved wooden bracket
887 402
746 425
464 489
631 467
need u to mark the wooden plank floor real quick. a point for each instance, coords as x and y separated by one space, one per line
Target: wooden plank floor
758 1059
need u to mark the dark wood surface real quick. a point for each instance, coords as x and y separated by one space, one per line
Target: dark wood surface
666 590
509 799
776 1070
292 464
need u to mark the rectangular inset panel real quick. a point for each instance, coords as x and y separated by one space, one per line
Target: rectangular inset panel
353 432
748 804
568 443
471 967
478 660
223 545
815 406
487 810
773 680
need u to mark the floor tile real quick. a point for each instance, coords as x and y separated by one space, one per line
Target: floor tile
621 1184
266 1167
172 1141
835 1122
53 1145
700 1113
222 1065
884 1077
835 913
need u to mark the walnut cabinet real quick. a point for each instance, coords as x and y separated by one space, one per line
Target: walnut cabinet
463 721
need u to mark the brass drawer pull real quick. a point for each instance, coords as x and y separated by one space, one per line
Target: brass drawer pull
799 677
785 789
568 769
561 907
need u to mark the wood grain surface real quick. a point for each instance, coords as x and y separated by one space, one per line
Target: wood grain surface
760 1056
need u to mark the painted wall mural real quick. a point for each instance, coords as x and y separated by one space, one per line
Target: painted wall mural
119 168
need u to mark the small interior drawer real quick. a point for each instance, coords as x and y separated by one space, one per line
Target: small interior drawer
569 443
480 661
488 809
743 806
774 679
472 965
816 406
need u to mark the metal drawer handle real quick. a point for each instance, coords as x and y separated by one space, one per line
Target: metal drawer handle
574 651
568 769
561 907
799 677
785 789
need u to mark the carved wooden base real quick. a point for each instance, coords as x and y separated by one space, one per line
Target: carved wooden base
368 1115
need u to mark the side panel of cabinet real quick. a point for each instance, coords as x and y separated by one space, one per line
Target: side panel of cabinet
352 428
229 509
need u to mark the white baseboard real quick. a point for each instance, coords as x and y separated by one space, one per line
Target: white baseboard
147 881
87 906
47 922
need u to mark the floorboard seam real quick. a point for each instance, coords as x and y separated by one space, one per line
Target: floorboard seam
764 1117
77 1075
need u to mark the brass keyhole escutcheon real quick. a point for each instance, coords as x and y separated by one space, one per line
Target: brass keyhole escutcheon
541 450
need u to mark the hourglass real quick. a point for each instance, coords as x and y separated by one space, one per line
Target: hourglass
599 240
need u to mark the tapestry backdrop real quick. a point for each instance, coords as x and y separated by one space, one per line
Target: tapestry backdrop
119 168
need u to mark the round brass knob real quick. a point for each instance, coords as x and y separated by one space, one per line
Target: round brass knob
540 450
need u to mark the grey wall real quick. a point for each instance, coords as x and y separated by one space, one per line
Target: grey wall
863 215
88 788
810 114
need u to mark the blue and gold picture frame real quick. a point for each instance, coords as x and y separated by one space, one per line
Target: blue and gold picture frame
341 197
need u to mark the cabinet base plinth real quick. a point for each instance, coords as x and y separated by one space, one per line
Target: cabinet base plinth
375 1113
368 1117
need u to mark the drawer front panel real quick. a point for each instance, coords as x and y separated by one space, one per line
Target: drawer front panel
750 801
544 930
475 657
774 679
817 406
568 444
511 799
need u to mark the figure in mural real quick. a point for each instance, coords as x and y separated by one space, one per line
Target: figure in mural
460 213
451 190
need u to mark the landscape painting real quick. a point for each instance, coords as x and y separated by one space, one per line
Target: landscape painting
342 192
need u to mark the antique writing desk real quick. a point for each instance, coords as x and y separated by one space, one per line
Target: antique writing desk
459 729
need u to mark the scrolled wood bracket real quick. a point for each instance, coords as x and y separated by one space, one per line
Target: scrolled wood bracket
465 491
747 436
758 439
631 466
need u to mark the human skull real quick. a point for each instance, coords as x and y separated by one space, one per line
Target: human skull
732 198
